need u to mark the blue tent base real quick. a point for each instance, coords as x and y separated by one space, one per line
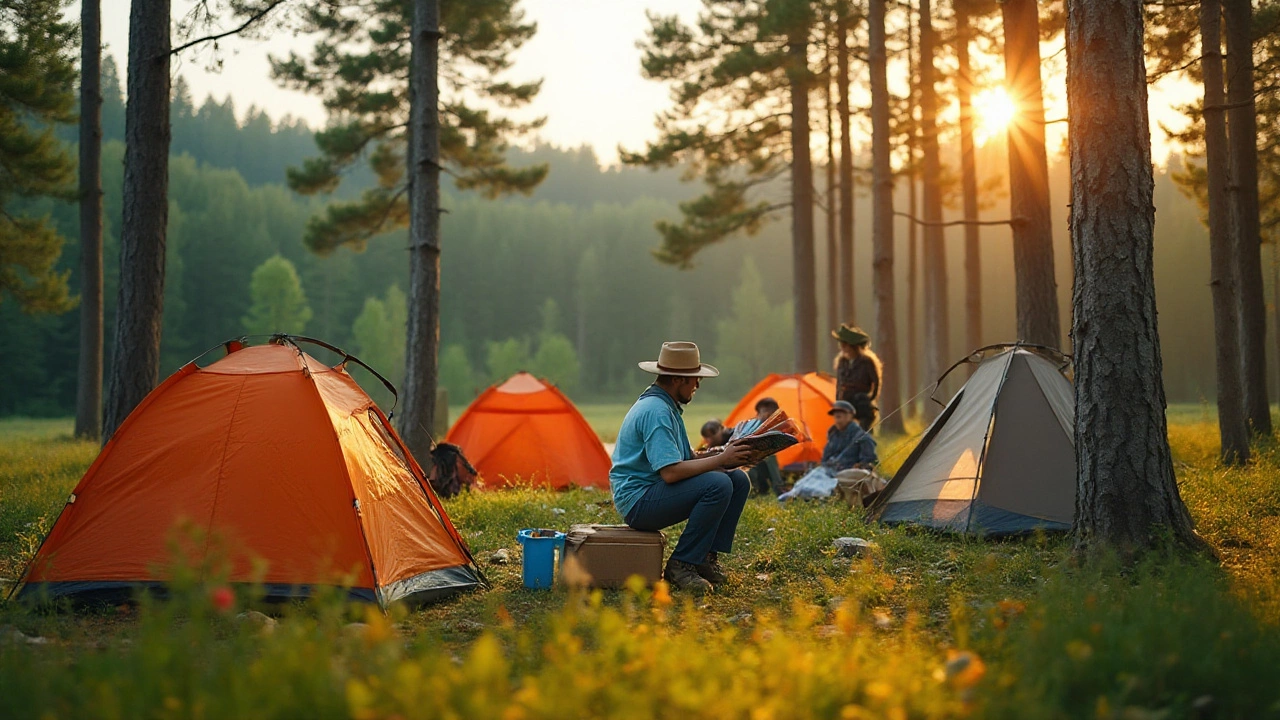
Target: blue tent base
427 587
965 516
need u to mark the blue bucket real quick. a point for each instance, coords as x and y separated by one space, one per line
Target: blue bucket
539 556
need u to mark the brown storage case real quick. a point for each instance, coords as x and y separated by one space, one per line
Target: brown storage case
610 554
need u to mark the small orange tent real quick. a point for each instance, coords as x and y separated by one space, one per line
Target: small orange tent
281 464
806 398
526 431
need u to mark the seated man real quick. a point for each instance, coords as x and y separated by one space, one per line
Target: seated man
848 446
657 482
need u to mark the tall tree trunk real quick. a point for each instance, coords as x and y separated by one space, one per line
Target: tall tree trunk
913 244
803 271
834 260
1233 426
1037 289
886 332
135 367
1243 121
89 372
422 347
937 326
848 303
969 183
1126 491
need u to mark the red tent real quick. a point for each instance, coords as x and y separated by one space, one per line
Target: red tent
806 398
269 461
525 431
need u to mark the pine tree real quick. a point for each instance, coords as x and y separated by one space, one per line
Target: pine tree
1037 289
886 332
279 303
89 372
936 302
1127 494
1232 423
135 368
411 86
37 91
740 118
360 69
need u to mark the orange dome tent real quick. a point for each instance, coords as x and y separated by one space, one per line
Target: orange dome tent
806 398
279 463
526 431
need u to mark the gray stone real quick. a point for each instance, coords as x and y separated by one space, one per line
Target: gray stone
264 622
852 546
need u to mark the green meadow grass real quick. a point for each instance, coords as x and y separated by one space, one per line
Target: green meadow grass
926 626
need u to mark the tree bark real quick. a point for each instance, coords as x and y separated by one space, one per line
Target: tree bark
1233 426
89 371
834 259
135 367
1029 178
422 346
1243 142
937 327
803 269
882 220
848 303
1126 493
913 245
969 183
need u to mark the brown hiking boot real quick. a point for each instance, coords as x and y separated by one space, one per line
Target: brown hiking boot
711 571
684 576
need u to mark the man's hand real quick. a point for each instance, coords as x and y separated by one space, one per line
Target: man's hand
733 455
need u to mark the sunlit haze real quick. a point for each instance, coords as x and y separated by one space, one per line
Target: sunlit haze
993 109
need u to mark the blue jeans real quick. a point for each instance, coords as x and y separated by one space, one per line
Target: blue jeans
712 503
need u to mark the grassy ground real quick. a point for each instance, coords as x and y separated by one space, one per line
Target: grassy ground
926 626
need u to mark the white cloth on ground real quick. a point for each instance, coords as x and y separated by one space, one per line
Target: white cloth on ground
817 483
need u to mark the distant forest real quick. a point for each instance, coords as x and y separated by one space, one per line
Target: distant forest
562 283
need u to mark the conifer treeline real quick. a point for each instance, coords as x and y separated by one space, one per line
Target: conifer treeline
584 241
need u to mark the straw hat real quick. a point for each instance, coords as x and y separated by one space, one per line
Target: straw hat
680 359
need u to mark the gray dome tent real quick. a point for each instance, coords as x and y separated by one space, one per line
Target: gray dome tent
1000 459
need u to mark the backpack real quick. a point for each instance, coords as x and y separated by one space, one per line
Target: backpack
451 472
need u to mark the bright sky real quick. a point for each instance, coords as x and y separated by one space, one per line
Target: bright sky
585 51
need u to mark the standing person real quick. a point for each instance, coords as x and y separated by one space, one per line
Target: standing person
657 482
858 372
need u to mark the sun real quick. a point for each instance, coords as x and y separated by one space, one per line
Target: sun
994 110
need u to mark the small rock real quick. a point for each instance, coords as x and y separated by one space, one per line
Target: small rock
263 622
465 625
852 546
557 511
770 530
501 556
741 618
763 577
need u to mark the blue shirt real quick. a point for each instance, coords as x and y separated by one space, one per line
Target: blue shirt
846 449
652 437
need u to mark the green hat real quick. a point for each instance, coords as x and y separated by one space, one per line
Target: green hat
851 335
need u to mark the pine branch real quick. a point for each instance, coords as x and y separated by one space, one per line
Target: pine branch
926 223
218 36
